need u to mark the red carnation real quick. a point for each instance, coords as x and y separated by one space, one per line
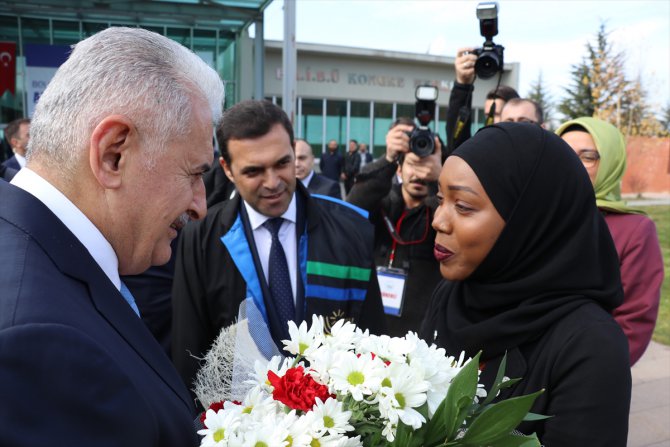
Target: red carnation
297 390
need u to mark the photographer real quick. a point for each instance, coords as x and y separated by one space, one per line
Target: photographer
485 62
461 96
402 215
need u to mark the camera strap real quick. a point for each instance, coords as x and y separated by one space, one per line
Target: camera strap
394 232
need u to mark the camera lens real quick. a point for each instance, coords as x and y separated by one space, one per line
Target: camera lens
487 65
422 142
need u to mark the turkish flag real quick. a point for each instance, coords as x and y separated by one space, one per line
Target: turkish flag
7 67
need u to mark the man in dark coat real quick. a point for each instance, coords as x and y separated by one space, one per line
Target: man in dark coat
332 163
304 171
402 215
352 164
325 266
72 344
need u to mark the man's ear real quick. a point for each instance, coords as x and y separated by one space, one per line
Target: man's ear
226 169
109 149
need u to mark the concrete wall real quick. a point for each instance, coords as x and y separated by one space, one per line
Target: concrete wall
648 171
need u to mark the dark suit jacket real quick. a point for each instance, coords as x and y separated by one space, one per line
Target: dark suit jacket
12 162
72 350
320 184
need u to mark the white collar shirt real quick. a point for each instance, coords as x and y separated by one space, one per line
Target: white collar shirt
76 221
307 179
287 237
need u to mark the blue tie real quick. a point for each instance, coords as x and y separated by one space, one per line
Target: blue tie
129 298
278 277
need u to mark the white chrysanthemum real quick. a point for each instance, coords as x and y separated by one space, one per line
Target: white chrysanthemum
392 349
357 375
330 417
272 433
389 430
403 390
343 336
221 425
438 369
258 403
277 364
304 341
299 428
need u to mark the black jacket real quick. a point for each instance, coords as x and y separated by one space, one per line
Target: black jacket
588 395
338 279
460 104
374 191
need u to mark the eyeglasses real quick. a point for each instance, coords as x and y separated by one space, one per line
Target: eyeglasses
589 157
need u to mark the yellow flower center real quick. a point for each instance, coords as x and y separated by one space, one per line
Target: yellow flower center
260 444
355 378
247 410
219 435
387 382
302 347
315 443
401 400
328 422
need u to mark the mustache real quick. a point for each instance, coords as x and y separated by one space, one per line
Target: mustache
182 220
419 182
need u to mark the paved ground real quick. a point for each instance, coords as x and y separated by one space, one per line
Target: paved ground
649 424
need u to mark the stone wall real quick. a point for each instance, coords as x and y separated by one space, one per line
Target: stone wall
648 171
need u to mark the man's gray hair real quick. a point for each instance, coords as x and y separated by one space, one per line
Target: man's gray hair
142 75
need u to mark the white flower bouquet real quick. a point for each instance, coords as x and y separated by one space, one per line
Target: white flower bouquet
350 388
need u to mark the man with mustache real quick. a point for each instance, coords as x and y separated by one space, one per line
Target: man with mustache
272 248
402 214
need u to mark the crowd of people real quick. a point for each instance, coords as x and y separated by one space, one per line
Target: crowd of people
132 245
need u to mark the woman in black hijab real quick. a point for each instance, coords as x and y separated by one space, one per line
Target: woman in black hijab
532 271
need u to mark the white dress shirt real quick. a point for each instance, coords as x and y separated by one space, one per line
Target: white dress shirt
21 160
76 221
307 179
287 237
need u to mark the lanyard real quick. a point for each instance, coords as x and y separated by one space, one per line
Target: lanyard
394 232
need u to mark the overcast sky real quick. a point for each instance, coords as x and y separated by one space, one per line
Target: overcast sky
546 35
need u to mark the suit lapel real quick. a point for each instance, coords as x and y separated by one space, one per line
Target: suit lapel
74 260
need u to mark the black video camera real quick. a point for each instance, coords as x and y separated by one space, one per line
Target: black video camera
489 56
422 139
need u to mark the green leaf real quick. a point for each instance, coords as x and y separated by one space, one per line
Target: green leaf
499 419
511 440
452 410
530 417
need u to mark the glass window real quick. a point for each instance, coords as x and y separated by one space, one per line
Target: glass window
9 29
65 32
180 35
359 122
204 45
405 111
336 126
383 117
35 31
312 122
90 28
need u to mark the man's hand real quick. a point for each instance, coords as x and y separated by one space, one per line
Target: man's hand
397 141
465 65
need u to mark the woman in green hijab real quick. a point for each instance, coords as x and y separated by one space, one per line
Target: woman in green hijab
602 149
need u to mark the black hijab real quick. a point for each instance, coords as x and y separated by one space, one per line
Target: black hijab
554 254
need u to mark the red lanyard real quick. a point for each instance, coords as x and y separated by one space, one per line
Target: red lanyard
395 233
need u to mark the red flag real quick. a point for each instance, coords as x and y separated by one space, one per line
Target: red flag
7 67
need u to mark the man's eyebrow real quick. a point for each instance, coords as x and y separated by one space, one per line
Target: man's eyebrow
462 188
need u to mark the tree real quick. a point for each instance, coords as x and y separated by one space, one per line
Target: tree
601 89
540 95
579 99
665 118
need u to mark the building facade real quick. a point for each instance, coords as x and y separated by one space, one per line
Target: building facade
353 93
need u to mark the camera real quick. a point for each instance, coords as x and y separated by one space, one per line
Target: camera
422 139
489 56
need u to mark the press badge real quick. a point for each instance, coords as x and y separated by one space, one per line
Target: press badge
392 287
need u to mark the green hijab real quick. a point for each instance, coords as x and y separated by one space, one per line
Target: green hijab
611 147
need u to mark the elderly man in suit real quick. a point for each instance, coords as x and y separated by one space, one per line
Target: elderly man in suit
304 171
119 142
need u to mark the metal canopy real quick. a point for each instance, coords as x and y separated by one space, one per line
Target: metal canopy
229 17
